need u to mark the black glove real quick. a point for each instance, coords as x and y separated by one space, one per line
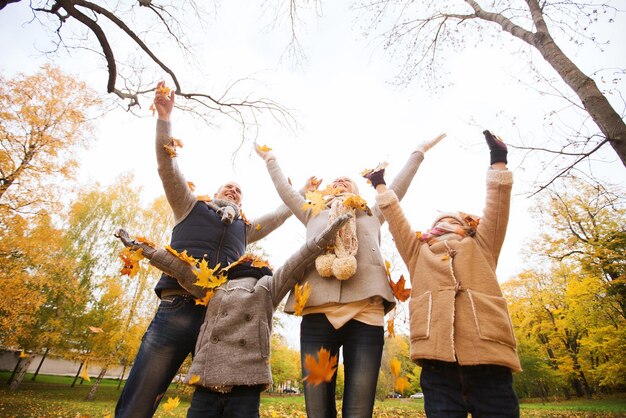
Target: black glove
497 147
376 177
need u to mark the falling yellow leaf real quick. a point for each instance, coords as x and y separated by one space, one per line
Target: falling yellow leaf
163 90
258 227
209 278
390 326
130 258
205 198
388 269
172 145
264 148
205 300
357 202
400 384
23 354
394 366
171 404
321 370
445 257
192 186
146 241
302 293
243 218
368 171
418 235
183 256
330 191
254 260
315 202
95 330
83 373
194 379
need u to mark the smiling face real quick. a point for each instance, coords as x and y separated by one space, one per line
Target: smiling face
344 184
449 220
231 192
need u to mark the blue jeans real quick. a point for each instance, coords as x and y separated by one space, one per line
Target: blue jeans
241 402
168 340
362 352
451 390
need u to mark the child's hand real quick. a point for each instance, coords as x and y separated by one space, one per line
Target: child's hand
497 147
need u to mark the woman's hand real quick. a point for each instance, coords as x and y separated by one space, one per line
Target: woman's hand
162 102
426 145
266 155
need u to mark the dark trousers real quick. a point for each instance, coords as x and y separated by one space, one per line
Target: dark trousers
451 390
362 352
241 402
168 340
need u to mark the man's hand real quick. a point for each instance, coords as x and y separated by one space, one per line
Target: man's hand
163 103
266 155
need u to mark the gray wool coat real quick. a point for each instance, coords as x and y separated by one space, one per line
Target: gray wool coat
233 346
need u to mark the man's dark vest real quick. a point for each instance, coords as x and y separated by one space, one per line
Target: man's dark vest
203 234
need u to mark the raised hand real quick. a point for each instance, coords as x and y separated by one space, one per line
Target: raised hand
497 148
263 153
426 145
312 184
375 176
163 101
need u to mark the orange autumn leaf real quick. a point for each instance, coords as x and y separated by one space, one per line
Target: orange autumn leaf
95 330
357 202
401 384
330 191
315 202
321 370
172 145
264 148
171 404
368 171
146 241
254 260
394 366
205 198
194 379
243 218
183 256
209 278
23 354
163 90
471 220
258 227
205 300
302 293
419 235
130 258
398 289
192 186
391 326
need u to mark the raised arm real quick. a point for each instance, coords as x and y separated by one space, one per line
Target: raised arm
167 263
493 224
291 197
177 192
388 204
292 271
260 227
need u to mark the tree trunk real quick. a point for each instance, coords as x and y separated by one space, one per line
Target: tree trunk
94 388
77 373
121 379
594 102
16 381
45 354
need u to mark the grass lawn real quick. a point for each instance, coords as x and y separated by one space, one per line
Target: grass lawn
52 396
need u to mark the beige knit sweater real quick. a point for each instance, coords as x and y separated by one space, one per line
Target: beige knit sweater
457 312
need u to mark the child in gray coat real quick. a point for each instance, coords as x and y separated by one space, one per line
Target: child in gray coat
231 366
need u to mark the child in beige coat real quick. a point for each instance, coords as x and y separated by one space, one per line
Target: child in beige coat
461 332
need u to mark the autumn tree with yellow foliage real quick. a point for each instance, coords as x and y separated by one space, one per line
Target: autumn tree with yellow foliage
44 121
568 310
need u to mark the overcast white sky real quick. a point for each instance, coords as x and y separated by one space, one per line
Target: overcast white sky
351 117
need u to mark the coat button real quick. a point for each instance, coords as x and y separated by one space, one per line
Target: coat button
248 317
242 342
215 339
